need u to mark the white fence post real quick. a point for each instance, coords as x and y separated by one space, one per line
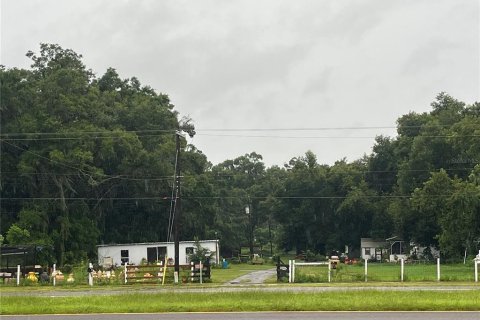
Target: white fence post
329 271
438 269
201 272
366 270
476 262
90 274
54 273
18 274
192 271
125 273
293 270
289 271
402 269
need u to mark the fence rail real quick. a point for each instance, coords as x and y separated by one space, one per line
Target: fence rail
388 272
128 274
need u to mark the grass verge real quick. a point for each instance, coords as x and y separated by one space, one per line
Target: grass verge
248 301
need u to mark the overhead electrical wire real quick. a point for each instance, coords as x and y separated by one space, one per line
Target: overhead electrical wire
6 140
235 136
199 130
215 175
228 197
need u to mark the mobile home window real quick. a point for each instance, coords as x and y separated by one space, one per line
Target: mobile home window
124 256
155 254
367 251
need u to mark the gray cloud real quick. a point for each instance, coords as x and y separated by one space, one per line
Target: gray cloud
269 64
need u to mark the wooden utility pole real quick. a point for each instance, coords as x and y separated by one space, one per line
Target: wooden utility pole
178 206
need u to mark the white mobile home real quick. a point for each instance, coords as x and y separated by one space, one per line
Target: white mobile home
373 248
134 253
376 249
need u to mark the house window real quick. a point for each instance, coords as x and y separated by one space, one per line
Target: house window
124 256
367 251
155 254
162 252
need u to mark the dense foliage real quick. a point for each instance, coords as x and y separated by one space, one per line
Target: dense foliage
88 160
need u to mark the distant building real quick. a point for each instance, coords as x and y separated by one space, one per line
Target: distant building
373 249
27 256
134 253
380 250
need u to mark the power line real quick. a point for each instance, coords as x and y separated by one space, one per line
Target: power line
171 131
230 136
83 171
226 197
81 138
325 137
215 175
119 131
45 158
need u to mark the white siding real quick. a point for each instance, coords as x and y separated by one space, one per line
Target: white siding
138 251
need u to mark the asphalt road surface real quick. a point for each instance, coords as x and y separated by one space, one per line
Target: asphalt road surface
263 316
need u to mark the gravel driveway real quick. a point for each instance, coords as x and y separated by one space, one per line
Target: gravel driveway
256 277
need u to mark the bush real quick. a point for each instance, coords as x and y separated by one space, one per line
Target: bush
67 268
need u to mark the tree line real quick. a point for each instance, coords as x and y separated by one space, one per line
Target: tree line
89 159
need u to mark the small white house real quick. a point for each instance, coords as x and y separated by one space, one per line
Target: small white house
373 248
134 253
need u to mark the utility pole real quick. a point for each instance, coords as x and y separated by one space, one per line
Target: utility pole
178 206
177 219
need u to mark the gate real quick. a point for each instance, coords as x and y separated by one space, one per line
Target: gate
283 270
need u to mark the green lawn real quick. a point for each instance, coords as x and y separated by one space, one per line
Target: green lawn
371 300
386 272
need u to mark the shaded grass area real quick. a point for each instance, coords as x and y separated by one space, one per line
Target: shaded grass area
248 301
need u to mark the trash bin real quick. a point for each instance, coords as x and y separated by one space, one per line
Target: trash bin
224 264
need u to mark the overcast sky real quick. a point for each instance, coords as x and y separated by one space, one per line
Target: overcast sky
269 64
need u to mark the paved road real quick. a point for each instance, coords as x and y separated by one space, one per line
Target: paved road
264 316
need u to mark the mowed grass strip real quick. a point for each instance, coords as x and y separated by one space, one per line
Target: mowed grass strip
371 300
